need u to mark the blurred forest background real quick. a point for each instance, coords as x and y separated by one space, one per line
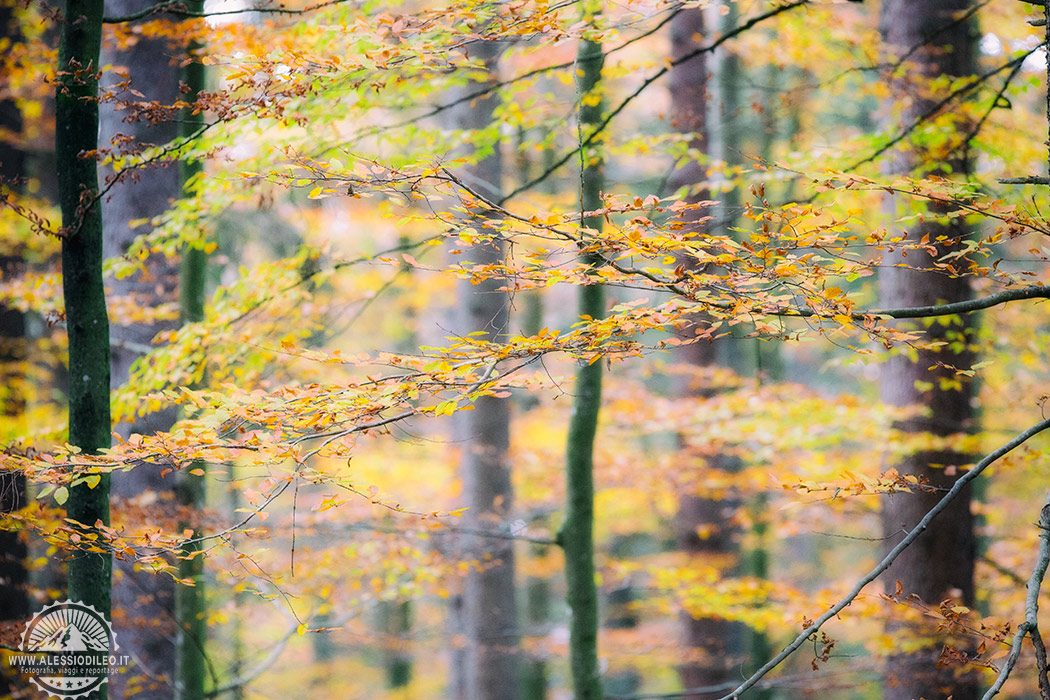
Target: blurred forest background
524 350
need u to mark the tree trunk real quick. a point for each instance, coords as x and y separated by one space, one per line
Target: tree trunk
940 564
14 598
143 603
577 532
489 608
715 644
87 323
394 624
190 601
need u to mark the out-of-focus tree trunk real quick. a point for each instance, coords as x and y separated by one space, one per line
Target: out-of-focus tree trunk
940 564
702 524
190 602
143 603
14 598
394 623
534 673
488 611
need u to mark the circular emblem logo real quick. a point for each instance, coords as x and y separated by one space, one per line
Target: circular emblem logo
67 650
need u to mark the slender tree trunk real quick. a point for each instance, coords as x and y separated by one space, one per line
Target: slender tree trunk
702 525
143 603
489 609
36 162
394 623
236 641
577 532
393 618
14 598
537 613
537 604
537 616
940 564
190 601
14 603
87 323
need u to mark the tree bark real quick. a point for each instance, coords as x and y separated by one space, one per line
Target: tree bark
190 494
940 564
711 642
143 603
14 598
577 532
489 608
87 322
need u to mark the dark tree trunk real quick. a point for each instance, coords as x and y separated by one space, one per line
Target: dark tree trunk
940 564
14 598
87 322
143 603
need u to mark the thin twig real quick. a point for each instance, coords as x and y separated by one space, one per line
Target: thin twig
975 82
611 114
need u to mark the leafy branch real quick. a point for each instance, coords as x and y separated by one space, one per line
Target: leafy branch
611 114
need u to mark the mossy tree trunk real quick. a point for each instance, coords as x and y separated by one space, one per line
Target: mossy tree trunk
190 601
87 323
577 532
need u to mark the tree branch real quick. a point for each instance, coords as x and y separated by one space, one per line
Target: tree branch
948 99
882 566
1027 180
600 127
1030 626
1037 291
492 87
178 9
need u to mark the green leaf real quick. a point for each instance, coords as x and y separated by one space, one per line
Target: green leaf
61 495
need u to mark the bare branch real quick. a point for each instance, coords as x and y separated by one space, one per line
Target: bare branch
882 566
1028 180
177 8
1030 626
